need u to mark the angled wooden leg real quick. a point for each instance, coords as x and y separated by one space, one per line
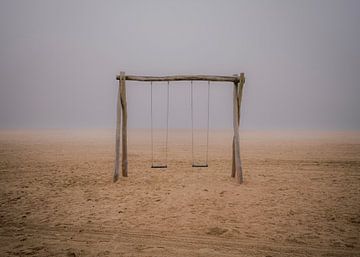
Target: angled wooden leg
117 139
236 135
233 170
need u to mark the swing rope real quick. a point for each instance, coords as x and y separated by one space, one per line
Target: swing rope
192 125
208 124
167 125
151 118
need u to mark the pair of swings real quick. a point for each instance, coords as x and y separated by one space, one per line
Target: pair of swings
194 164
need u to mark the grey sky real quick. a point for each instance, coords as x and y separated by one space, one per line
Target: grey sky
58 60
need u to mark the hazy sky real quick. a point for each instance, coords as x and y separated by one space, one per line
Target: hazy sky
59 59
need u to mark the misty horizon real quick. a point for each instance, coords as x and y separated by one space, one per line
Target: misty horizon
59 61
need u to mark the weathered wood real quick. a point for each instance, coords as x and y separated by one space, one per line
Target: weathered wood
117 139
234 79
236 134
239 89
237 165
233 170
124 125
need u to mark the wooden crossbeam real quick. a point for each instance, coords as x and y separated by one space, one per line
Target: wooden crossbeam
234 79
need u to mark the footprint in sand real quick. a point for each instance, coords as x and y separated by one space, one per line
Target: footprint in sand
216 231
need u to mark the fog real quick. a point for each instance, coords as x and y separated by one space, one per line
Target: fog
59 60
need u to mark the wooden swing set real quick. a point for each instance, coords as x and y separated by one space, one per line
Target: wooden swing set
121 119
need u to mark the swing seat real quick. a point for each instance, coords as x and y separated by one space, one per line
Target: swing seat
200 165
158 166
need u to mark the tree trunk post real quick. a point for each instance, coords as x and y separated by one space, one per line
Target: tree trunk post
237 167
124 125
233 169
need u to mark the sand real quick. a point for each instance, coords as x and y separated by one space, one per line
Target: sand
301 196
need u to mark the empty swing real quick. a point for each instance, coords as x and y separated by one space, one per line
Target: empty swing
200 165
159 166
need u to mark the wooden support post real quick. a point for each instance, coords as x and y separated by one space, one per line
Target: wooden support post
233 170
124 125
117 139
236 150
237 167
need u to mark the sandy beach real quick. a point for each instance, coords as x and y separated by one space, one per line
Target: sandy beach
301 196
